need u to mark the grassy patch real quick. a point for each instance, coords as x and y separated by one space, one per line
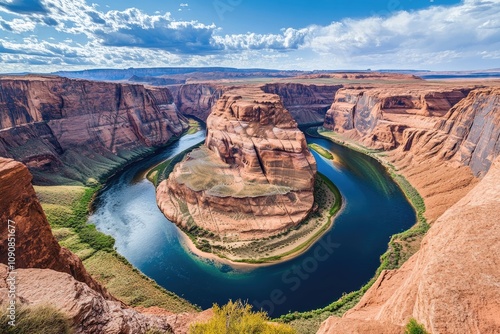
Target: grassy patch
238 317
35 320
130 285
72 213
323 152
161 171
194 126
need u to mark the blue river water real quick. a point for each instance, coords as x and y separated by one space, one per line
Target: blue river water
343 260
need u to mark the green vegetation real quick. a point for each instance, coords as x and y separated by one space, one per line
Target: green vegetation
400 247
67 208
161 171
35 320
194 126
130 285
238 318
413 327
74 215
323 152
403 245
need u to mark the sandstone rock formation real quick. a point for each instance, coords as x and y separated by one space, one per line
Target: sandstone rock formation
431 132
451 284
306 103
196 99
254 178
36 246
87 310
378 116
77 128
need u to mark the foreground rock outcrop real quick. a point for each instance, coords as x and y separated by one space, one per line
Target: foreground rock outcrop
36 247
87 310
451 285
47 274
254 178
81 129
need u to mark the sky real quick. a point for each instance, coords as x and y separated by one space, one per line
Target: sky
52 35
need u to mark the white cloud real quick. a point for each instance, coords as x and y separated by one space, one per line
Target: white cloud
468 33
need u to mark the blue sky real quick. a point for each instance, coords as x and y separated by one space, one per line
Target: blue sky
50 35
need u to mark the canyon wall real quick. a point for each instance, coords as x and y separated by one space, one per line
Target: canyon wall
81 129
459 125
444 145
306 103
253 178
378 116
196 99
429 133
451 284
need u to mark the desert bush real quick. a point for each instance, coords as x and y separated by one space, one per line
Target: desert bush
413 327
238 318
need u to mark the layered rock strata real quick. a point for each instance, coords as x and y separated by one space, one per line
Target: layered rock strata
429 134
378 116
253 178
196 99
48 274
78 128
86 309
306 103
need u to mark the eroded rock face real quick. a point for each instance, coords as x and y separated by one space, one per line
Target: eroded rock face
440 143
88 311
306 103
47 274
36 247
451 284
52 123
196 99
379 116
254 177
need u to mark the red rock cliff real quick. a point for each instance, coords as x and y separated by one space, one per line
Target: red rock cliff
429 132
306 103
196 99
47 274
79 128
254 177
451 284
36 247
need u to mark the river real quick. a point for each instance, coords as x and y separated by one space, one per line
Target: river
343 260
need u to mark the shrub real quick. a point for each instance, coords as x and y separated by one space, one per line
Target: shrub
238 318
413 327
35 320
